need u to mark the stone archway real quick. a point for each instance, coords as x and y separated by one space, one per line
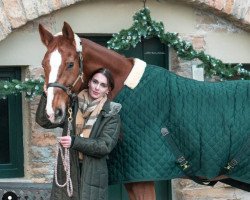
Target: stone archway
16 13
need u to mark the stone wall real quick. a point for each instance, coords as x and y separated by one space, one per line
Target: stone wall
188 190
237 10
42 150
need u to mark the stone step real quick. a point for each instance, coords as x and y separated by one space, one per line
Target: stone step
26 191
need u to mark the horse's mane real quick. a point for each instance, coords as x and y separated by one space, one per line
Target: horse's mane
100 50
102 56
96 56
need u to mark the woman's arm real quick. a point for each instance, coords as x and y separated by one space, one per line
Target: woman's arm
104 144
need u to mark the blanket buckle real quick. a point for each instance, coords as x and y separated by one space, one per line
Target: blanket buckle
164 131
183 163
231 165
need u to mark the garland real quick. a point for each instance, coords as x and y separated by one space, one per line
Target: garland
31 88
143 26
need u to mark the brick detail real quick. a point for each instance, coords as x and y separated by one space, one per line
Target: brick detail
219 4
15 12
30 8
5 25
198 42
228 8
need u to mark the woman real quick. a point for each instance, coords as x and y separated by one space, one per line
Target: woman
97 126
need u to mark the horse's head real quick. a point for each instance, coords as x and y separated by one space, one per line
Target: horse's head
62 69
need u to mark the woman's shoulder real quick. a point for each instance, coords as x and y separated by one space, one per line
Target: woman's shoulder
112 108
115 107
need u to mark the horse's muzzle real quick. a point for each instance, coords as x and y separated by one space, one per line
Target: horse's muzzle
57 117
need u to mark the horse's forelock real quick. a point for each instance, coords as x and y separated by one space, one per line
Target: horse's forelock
77 41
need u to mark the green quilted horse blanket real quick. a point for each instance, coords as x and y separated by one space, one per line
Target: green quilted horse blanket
208 122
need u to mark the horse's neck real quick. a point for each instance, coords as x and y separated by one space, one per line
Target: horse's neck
96 56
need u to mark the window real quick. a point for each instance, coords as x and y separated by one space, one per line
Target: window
11 131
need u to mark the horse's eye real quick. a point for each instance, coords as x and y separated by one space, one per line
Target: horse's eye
70 65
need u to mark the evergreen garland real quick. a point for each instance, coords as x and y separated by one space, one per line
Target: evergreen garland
144 26
31 88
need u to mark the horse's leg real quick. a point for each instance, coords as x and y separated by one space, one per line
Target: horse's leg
129 189
141 190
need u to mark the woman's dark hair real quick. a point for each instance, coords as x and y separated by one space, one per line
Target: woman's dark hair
107 74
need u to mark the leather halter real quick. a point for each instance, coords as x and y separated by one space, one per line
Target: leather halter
68 89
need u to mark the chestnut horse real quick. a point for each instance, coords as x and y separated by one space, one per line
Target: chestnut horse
67 65
62 59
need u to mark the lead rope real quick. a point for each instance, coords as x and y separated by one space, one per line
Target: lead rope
65 160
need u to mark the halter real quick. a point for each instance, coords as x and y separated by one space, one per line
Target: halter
68 89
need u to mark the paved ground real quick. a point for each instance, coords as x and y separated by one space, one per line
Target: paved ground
26 191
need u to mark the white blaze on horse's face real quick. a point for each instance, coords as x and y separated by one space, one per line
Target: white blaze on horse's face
55 62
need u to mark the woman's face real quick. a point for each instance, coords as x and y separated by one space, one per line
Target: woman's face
98 86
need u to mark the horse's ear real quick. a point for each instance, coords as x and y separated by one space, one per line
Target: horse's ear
45 35
67 31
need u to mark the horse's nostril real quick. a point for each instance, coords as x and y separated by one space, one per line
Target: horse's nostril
58 113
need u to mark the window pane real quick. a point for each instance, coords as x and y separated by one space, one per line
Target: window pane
4 132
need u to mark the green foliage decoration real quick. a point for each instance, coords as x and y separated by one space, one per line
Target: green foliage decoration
31 87
144 27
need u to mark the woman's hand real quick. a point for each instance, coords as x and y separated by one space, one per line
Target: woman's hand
65 141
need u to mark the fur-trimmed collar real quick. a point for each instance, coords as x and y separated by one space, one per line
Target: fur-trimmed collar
111 108
136 73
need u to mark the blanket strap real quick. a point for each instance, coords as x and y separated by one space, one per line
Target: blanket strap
237 158
182 162
186 167
244 150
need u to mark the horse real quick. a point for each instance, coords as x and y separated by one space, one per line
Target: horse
173 127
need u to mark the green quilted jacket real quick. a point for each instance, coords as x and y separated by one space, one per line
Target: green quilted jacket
209 122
